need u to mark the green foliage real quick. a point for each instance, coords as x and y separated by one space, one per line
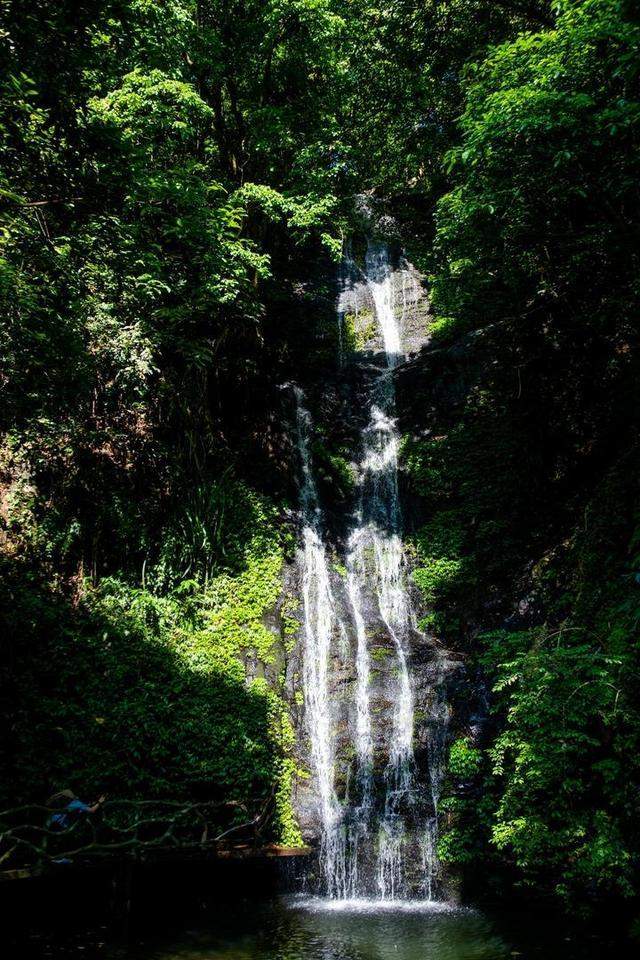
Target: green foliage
146 694
465 810
117 706
464 759
222 526
139 265
474 483
335 470
419 47
286 772
545 176
289 620
358 330
530 459
564 801
434 579
454 847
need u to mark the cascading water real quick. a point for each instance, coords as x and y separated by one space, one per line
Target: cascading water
378 529
319 624
369 837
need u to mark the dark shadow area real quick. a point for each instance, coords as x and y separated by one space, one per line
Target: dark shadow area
108 909
104 704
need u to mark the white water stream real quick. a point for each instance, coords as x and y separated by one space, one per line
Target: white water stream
364 843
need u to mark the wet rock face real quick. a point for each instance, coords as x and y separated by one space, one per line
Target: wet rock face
429 695
394 644
361 336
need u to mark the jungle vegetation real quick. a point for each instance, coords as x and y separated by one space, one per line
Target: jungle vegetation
176 183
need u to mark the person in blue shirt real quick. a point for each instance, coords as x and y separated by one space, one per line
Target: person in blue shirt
68 808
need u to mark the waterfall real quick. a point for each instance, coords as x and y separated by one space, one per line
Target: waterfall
319 610
379 525
372 839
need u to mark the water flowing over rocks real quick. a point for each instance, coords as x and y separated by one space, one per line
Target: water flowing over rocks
374 725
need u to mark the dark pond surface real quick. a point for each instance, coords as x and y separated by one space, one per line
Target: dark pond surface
296 929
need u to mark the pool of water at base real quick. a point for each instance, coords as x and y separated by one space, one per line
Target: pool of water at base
313 929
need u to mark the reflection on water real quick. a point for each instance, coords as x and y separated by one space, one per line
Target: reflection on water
331 930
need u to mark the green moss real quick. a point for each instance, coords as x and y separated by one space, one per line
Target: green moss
445 329
334 470
359 330
290 624
281 730
348 333
380 654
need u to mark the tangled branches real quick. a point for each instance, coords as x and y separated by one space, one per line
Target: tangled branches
127 828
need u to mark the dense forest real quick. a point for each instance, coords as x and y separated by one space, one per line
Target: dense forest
179 182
